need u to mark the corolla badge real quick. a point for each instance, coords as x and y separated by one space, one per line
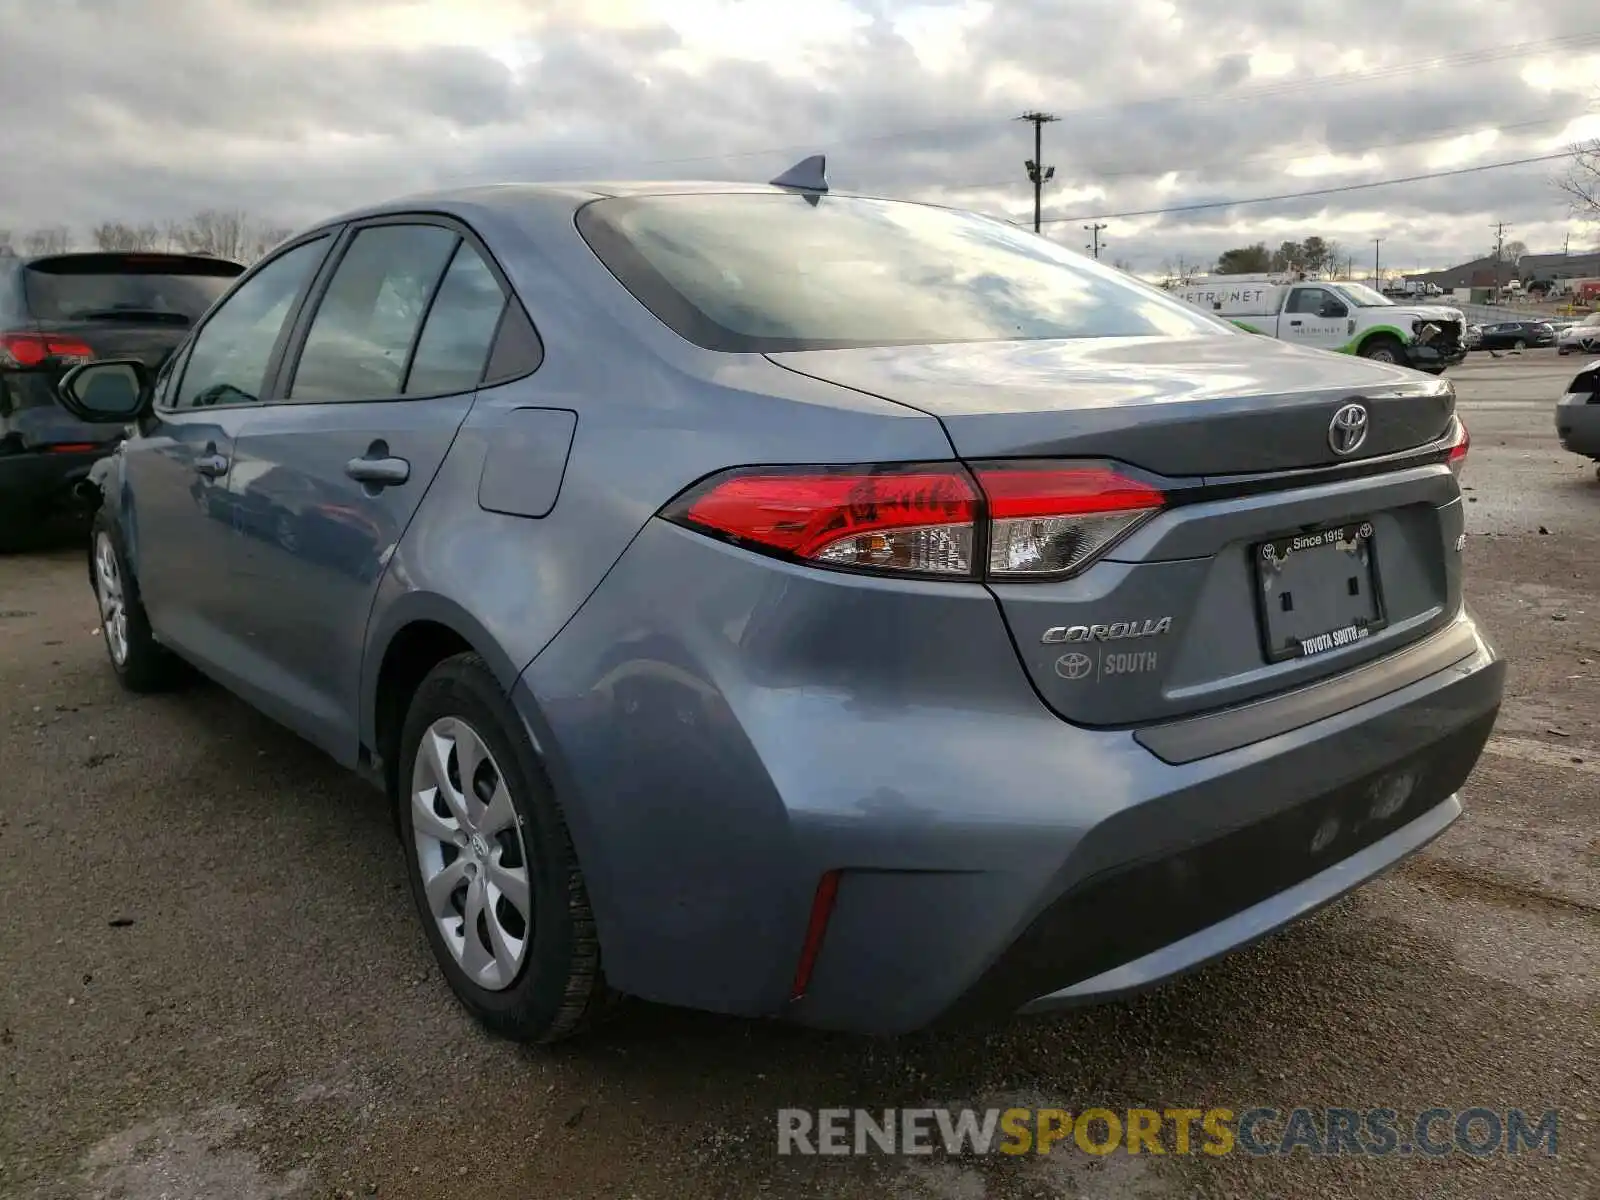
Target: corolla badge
1116 631
1348 429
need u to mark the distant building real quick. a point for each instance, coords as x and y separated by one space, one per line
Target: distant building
1480 274
1553 268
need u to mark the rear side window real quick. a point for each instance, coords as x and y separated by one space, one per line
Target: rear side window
173 289
361 336
768 271
231 353
455 340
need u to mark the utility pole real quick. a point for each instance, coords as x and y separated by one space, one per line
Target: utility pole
1095 230
1499 249
1377 279
1038 173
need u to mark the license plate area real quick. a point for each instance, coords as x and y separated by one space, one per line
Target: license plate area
1317 590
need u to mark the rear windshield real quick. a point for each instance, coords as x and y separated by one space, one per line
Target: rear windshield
171 289
769 272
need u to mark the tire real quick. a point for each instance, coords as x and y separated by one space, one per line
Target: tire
1520 344
142 664
548 984
1383 349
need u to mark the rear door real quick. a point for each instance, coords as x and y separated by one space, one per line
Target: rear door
178 514
77 307
385 366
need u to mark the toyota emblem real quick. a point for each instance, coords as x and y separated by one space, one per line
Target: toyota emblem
1348 429
1074 666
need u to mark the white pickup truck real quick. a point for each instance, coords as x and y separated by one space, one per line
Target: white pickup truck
1349 318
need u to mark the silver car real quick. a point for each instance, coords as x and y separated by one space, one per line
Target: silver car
1581 337
802 605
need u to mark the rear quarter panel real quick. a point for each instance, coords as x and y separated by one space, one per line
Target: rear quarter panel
653 415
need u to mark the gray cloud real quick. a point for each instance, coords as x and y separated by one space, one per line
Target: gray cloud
112 114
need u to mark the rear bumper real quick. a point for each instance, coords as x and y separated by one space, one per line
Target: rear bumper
723 731
1578 427
36 481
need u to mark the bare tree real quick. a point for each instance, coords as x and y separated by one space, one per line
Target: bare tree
266 237
1512 252
1581 183
1123 265
226 233
222 233
116 235
52 239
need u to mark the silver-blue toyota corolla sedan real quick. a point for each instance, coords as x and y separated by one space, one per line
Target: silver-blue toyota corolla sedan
786 603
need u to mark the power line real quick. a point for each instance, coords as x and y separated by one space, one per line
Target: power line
1327 191
1099 171
1510 50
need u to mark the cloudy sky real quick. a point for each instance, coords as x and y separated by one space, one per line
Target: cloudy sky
292 109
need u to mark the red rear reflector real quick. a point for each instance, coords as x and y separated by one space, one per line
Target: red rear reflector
72 448
1051 520
34 349
914 519
816 929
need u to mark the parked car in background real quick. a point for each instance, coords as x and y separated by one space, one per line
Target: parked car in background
1580 337
803 605
1515 335
1578 414
1338 315
60 310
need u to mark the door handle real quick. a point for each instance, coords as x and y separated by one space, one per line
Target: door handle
378 472
1294 322
212 465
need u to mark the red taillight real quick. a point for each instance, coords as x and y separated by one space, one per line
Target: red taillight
72 447
915 519
816 929
1051 520
1038 519
27 350
1457 457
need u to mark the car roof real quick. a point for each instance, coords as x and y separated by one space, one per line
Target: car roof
509 198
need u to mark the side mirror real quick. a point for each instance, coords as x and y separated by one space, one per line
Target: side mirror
111 392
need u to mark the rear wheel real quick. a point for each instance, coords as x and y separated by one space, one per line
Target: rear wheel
1383 349
493 872
142 664
1520 344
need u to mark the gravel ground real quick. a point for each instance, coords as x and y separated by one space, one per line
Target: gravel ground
214 986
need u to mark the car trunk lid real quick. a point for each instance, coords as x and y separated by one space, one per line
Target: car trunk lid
1277 560
1177 406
